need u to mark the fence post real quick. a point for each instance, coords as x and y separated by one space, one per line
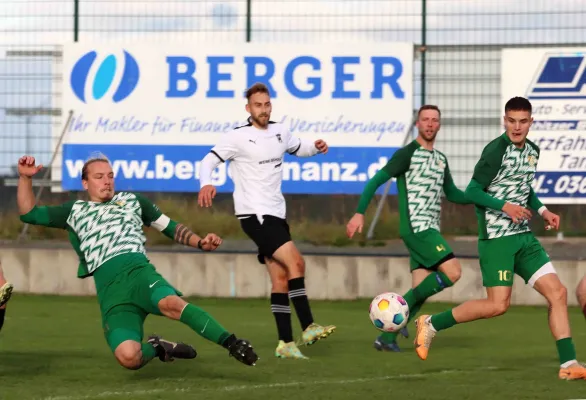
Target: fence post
75 20
248 20
423 48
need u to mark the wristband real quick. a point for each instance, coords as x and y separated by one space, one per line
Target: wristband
199 244
541 210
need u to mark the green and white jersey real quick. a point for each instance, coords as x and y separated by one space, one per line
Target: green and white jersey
506 173
101 231
421 176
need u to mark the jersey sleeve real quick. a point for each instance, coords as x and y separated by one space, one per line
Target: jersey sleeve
488 166
452 192
227 149
152 216
399 162
299 147
485 171
49 216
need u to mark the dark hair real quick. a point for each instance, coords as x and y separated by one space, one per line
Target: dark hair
96 158
429 107
256 88
518 104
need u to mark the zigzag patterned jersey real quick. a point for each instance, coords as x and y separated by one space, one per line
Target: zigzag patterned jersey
421 176
506 172
101 231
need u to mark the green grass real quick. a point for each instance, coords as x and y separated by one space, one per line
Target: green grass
53 348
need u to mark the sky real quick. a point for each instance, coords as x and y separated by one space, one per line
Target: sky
44 24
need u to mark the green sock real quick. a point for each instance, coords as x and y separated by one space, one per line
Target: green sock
148 353
432 284
443 320
566 350
203 324
389 337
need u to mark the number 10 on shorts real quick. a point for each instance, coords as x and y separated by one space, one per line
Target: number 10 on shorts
505 275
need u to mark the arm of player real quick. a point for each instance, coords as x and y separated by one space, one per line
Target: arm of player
152 216
305 148
551 220
475 192
397 165
226 150
452 192
30 213
206 168
534 203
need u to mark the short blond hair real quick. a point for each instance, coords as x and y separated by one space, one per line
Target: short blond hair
93 158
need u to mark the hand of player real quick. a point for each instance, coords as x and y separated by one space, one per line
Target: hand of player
321 146
355 224
551 220
517 213
27 166
210 242
205 196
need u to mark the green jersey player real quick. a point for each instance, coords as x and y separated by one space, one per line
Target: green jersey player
501 191
422 173
107 235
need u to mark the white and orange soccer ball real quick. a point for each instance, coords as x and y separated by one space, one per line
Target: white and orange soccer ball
389 312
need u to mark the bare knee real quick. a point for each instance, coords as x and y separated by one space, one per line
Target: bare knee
581 292
172 306
499 308
452 269
128 354
558 295
296 268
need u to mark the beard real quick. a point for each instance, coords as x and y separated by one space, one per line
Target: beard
258 120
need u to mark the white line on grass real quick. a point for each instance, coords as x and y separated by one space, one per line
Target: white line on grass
107 394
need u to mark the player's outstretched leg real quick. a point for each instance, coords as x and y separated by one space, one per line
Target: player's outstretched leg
286 347
133 355
5 294
289 256
496 303
548 284
448 274
174 307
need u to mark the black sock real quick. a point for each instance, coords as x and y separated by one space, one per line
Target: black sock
298 296
282 312
229 341
2 313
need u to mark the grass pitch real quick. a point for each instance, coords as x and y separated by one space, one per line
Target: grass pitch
53 348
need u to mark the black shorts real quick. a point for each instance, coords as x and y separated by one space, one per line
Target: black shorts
272 234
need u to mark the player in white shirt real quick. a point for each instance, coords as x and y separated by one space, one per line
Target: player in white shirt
256 152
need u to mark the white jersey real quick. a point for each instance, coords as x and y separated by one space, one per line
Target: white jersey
256 165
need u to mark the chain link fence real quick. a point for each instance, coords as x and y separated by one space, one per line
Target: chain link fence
457 57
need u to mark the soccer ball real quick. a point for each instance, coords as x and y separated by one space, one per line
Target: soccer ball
389 312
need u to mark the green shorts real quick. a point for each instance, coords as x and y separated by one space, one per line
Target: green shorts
501 258
428 249
128 299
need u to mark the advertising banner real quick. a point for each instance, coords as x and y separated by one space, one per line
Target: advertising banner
155 111
554 80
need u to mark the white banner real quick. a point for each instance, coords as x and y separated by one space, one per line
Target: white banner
554 80
144 100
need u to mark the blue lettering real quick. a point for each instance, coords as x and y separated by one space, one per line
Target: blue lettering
175 76
314 81
391 80
216 77
341 77
252 77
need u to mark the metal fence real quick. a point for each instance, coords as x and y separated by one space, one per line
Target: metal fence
457 51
